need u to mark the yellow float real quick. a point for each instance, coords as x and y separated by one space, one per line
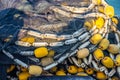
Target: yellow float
99 22
115 20
96 38
101 76
117 60
60 73
80 69
23 76
72 69
109 11
89 71
104 44
98 54
82 74
41 52
107 62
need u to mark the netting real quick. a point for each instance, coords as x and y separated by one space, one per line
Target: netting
64 26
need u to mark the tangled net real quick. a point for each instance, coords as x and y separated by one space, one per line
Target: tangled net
60 38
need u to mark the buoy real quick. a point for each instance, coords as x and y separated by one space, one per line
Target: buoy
107 62
96 38
35 70
98 54
104 44
72 69
82 53
41 52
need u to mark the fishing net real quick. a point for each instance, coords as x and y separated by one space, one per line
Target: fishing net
17 18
